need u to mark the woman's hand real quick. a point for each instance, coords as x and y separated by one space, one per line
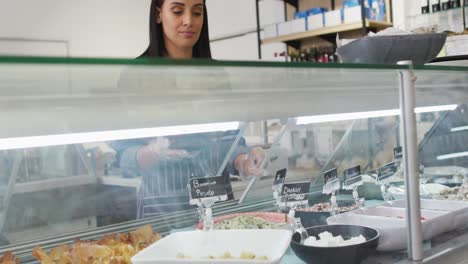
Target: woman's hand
250 164
149 155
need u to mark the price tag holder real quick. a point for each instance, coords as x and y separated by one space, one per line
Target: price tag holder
208 189
332 181
387 171
280 177
398 153
295 194
352 177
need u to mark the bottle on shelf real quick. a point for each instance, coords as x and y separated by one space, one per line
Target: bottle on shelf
315 54
291 57
297 56
303 56
319 55
425 7
435 5
325 55
445 4
332 58
307 54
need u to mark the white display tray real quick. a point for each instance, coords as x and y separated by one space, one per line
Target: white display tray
390 219
198 245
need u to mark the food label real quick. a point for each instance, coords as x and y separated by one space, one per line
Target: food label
280 177
332 182
330 175
352 176
295 193
208 188
398 153
387 171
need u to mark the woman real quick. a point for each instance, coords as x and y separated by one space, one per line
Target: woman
179 30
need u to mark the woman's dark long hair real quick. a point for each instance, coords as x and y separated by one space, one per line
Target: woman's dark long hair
156 46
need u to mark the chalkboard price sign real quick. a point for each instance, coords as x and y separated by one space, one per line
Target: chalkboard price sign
209 187
387 171
330 176
352 175
280 177
398 153
295 192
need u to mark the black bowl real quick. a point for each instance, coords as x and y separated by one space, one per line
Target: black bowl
310 219
353 254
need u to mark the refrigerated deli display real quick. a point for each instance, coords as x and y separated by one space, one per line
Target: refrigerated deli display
152 161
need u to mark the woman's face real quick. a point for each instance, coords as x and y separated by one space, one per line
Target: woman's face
182 22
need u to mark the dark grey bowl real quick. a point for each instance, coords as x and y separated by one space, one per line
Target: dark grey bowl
419 48
353 254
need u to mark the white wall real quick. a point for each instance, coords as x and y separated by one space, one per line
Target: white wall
228 17
399 12
239 48
91 28
119 28
13 46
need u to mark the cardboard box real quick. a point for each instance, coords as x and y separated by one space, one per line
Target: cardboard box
378 11
333 18
299 25
315 21
301 14
270 31
284 28
352 14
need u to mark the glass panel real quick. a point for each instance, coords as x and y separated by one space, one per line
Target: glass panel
442 152
125 96
92 147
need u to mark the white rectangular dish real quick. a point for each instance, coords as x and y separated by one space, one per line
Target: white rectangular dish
458 209
197 246
390 219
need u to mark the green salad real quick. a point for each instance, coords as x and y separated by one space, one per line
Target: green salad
246 222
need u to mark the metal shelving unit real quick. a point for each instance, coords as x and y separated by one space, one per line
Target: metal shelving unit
294 39
327 31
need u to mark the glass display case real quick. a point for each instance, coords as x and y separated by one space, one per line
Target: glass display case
94 147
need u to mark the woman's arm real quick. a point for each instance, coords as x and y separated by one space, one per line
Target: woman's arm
250 164
244 160
127 155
